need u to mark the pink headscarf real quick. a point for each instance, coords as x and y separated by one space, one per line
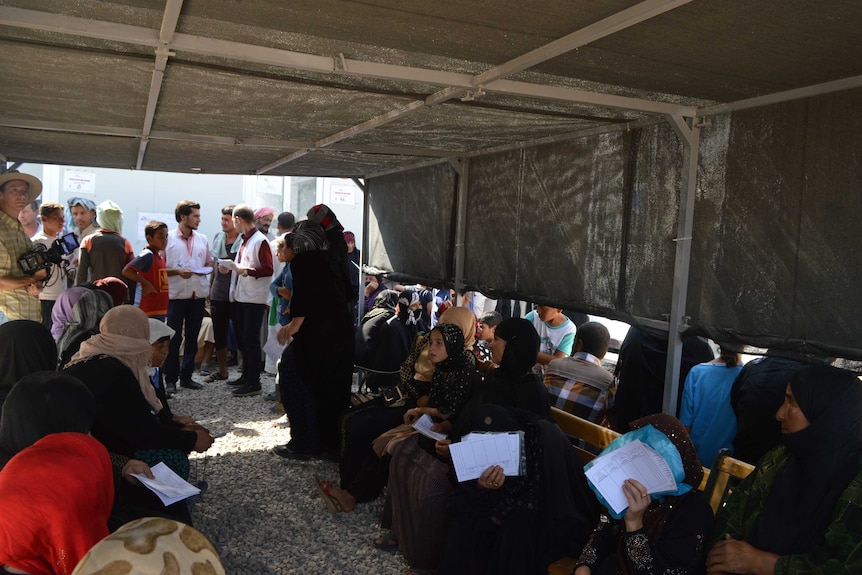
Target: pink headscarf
262 212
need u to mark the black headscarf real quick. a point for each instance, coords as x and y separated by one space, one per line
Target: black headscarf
522 346
454 377
823 459
40 404
25 346
308 236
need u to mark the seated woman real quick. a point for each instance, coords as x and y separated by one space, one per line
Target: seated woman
662 535
113 365
382 342
56 498
86 315
172 548
61 314
799 511
25 347
517 525
365 465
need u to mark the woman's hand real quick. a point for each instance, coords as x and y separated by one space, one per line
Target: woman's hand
444 426
136 466
184 419
442 448
732 556
203 442
411 415
492 478
638 499
285 334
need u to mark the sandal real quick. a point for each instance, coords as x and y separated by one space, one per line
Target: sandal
215 377
386 542
331 502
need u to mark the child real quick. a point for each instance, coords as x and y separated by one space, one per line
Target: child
556 332
148 269
488 322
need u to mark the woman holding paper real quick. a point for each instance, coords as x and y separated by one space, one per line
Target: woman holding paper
799 511
656 535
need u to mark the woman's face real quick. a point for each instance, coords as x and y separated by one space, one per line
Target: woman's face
351 245
498 346
790 414
437 347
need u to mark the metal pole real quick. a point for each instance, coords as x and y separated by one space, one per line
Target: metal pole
462 166
363 257
690 137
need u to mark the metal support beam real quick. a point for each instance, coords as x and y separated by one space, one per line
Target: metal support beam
462 166
690 137
605 27
166 35
344 134
364 255
416 166
786 96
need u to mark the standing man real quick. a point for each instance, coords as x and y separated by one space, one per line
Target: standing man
263 220
250 291
29 218
53 219
18 292
186 257
83 212
106 252
225 247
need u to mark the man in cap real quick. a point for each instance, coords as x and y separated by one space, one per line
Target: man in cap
18 291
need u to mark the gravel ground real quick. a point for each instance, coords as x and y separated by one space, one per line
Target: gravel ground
263 513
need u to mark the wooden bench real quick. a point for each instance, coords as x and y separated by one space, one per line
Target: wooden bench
717 484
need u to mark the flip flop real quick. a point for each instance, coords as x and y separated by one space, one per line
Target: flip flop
386 542
215 376
331 502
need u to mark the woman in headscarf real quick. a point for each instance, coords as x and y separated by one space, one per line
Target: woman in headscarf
114 287
800 511
43 403
657 535
172 547
418 479
62 312
56 497
25 347
382 342
316 367
86 315
113 365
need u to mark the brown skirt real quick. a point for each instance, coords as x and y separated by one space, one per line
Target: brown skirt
419 489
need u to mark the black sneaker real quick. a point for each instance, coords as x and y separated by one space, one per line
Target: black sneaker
289 453
237 382
171 387
246 391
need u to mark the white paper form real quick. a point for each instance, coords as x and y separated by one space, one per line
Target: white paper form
635 460
229 264
423 426
169 486
478 451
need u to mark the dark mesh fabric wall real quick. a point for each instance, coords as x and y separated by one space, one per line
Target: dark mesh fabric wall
775 261
547 222
410 223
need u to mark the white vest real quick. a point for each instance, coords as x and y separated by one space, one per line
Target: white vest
177 256
247 289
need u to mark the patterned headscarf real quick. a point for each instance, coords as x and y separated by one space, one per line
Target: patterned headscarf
86 315
463 318
308 237
321 214
62 312
167 546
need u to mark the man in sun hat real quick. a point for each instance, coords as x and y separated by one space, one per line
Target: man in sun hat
19 293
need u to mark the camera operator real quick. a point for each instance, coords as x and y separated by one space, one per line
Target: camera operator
53 219
18 291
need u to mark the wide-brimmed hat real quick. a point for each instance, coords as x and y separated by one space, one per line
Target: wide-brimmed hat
34 183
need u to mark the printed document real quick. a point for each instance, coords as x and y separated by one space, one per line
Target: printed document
635 460
477 452
169 486
423 426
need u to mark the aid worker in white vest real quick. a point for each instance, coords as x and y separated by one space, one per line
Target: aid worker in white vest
189 262
252 274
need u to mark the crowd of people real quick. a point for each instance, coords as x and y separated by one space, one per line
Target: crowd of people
88 369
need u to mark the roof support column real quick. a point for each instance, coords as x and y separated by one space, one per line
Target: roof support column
690 138
462 166
364 254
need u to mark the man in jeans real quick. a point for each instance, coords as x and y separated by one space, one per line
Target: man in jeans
186 256
250 291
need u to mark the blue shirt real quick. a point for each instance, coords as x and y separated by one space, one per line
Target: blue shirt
706 409
284 279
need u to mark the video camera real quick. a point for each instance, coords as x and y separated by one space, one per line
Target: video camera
41 258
